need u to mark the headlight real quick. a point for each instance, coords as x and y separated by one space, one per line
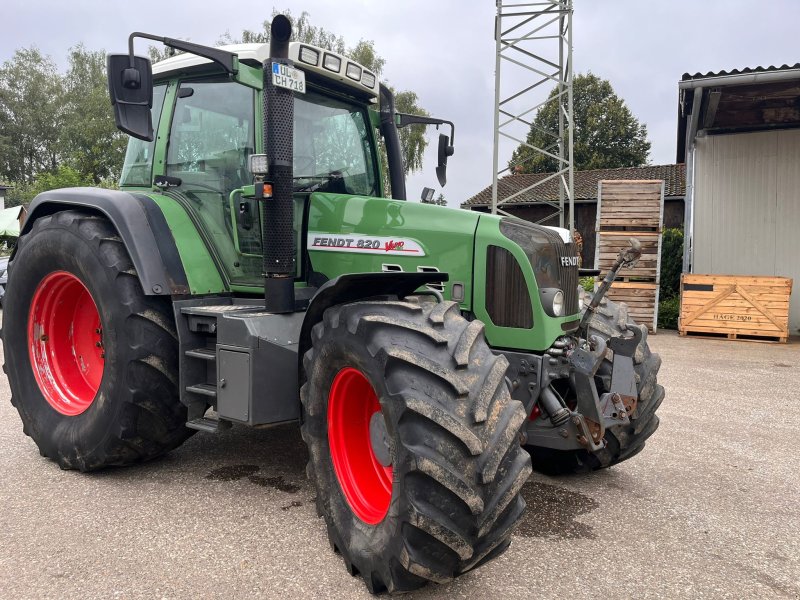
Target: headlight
353 72
332 63
558 303
257 164
309 55
368 79
552 301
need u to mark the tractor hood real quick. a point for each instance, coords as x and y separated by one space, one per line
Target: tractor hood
505 271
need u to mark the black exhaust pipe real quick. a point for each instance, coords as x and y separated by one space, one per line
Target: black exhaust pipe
394 152
277 213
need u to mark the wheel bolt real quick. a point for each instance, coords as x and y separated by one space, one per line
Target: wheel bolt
99 344
43 337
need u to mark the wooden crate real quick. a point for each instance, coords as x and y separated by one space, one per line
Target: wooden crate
609 243
636 205
735 307
626 209
642 301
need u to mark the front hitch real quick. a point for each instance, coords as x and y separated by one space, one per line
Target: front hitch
564 425
576 358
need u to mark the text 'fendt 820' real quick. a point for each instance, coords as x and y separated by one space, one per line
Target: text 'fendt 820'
249 271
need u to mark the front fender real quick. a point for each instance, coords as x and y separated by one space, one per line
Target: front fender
359 286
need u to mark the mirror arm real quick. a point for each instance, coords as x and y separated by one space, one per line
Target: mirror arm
227 60
404 119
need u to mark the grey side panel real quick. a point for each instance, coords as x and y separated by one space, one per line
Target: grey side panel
140 224
257 359
233 379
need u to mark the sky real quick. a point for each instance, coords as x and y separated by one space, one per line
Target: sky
444 50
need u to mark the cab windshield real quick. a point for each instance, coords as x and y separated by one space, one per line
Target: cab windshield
332 148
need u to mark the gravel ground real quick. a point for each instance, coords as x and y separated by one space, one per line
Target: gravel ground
710 509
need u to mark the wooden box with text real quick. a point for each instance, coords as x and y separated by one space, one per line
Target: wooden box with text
735 307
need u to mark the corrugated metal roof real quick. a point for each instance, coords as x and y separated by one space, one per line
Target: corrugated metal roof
748 99
585 183
723 73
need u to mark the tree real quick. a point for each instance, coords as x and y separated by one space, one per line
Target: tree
412 137
606 134
62 177
90 141
31 112
48 119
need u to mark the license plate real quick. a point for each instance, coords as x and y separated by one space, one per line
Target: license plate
289 78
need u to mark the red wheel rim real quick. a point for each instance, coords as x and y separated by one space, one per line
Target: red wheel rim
366 483
65 343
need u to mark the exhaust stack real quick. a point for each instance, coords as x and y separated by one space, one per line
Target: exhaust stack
277 213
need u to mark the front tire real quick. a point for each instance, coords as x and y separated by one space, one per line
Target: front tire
92 362
441 496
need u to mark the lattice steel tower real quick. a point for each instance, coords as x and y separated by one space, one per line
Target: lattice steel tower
534 55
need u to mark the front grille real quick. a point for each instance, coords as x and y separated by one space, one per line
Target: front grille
545 249
508 300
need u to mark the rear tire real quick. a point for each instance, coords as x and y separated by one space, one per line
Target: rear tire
94 386
450 498
622 441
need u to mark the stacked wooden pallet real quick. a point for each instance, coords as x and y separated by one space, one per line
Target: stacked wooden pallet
626 209
735 307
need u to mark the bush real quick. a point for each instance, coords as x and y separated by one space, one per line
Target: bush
668 312
671 263
587 283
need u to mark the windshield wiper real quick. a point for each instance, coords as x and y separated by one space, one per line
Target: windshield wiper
316 181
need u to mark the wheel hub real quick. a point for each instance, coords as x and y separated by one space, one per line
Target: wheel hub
65 343
359 445
379 439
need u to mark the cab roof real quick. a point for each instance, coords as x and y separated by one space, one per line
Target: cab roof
348 73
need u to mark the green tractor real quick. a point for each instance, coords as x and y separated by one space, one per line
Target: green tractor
249 271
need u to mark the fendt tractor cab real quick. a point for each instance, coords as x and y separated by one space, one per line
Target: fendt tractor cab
249 271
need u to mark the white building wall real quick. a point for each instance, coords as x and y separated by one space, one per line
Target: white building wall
747 207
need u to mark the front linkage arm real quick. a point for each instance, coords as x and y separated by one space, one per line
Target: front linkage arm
627 258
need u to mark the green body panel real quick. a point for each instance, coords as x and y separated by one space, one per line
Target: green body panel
201 272
545 328
444 237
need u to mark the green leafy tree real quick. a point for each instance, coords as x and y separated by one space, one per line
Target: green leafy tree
63 176
90 141
606 134
31 114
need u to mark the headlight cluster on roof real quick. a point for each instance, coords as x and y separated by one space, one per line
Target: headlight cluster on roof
339 65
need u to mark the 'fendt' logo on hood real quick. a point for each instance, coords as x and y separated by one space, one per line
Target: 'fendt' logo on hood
569 261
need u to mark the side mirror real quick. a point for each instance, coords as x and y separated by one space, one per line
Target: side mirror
130 85
445 150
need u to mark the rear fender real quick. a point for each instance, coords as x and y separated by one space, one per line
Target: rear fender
139 222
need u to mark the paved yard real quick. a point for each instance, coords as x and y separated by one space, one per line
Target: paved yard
710 509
